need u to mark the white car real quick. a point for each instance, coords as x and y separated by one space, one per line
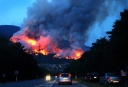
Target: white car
64 78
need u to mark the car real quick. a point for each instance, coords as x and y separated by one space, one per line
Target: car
110 78
64 78
92 77
55 76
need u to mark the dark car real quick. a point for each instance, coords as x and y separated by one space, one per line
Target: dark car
92 77
108 78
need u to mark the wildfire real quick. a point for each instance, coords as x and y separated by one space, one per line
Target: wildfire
73 55
44 52
45 45
78 54
32 42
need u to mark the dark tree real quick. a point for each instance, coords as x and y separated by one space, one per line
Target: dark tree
106 55
14 58
119 41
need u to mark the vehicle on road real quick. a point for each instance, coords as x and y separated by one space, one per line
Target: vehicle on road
92 77
48 78
108 78
64 78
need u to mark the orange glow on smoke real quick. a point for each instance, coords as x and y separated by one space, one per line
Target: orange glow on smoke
45 45
32 42
77 54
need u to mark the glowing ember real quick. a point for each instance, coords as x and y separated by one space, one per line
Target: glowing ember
36 54
43 52
67 57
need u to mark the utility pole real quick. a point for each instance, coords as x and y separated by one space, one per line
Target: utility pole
16 73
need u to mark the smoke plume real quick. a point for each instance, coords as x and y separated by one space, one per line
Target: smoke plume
60 26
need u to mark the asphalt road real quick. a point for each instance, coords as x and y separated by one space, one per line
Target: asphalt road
74 84
39 83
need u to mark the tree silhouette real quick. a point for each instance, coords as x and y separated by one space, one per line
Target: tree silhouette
106 55
14 58
118 39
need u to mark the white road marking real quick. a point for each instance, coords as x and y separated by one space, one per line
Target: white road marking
80 84
53 83
48 84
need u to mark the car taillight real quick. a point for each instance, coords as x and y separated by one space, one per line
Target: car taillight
60 75
108 78
69 74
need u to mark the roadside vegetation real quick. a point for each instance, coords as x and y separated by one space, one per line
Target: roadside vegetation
15 62
106 54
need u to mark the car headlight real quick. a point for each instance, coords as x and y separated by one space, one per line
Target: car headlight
48 78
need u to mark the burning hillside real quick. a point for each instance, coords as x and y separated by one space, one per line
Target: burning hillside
54 28
59 26
45 44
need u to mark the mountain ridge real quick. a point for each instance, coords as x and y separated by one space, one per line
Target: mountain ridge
7 31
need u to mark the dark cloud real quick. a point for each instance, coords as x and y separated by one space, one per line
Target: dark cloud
71 18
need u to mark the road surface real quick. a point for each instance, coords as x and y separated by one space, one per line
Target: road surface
39 83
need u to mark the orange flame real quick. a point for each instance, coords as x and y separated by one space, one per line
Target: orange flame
44 52
32 42
78 54
45 45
